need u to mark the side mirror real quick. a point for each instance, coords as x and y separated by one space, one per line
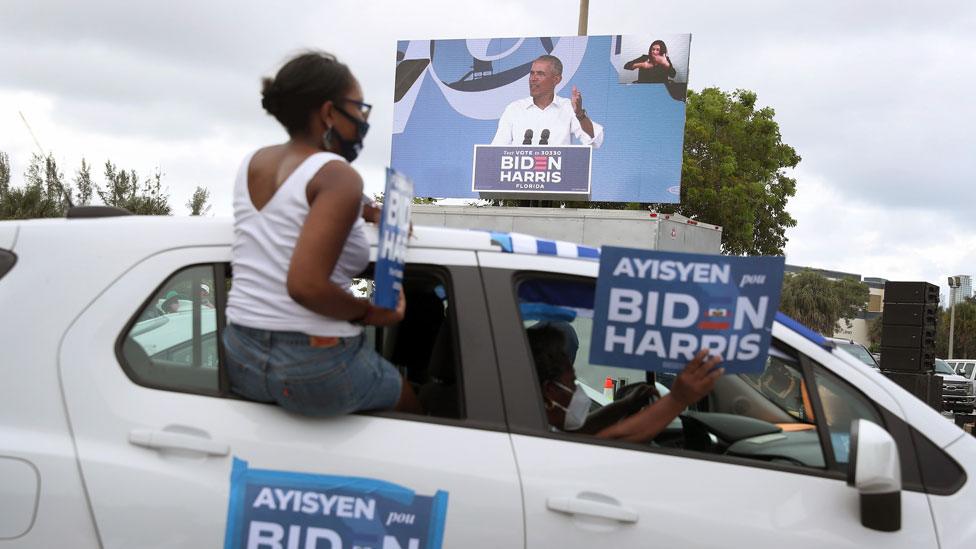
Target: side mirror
875 471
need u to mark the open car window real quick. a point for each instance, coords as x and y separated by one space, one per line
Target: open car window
769 416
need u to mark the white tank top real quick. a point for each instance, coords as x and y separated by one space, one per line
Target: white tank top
263 244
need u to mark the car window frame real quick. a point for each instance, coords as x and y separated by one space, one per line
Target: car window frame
481 408
219 292
485 403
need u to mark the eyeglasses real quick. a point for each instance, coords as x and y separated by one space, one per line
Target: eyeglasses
364 108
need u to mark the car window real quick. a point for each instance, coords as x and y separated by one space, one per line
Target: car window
942 368
767 417
172 342
842 404
424 345
859 352
966 369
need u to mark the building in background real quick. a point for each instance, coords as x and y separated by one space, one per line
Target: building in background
857 329
963 292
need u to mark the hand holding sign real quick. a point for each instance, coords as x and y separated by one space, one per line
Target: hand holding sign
697 379
378 316
395 231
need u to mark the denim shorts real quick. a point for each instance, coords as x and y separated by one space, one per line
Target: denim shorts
282 367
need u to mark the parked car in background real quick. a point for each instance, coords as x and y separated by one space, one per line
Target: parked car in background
963 366
957 392
859 351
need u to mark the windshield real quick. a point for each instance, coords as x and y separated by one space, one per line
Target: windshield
859 353
942 368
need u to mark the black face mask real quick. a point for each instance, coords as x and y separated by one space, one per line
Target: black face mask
349 148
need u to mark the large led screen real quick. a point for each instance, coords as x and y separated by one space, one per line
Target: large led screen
583 117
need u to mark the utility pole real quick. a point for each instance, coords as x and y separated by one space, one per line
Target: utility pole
954 283
583 16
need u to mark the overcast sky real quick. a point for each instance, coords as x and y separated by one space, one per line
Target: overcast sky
875 96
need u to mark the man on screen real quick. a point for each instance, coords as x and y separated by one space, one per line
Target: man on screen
545 118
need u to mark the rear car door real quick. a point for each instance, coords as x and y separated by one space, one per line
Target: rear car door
682 490
159 438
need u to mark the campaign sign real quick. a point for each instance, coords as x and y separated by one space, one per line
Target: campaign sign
394 232
286 509
531 169
655 310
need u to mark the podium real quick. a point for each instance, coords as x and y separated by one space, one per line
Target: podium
540 171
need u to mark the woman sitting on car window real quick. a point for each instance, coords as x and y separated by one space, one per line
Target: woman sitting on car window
568 408
295 333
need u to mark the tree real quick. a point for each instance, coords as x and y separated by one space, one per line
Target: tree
122 190
83 184
4 174
819 302
874 333
198 202
963 335
40 196
54 185
732 172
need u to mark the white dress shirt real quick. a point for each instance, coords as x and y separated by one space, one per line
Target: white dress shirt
558 117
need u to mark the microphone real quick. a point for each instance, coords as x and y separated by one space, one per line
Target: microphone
544 138
528 137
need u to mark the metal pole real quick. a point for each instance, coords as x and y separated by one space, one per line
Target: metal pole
583 16
952 323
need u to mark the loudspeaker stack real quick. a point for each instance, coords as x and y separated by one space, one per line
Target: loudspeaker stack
908 325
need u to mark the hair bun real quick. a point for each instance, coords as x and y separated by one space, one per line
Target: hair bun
269 99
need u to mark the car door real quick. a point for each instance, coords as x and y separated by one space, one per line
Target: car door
158 443
580 491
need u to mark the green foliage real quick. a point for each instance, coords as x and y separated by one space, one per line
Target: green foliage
378 198
964 333
45 192
874 334
84 185
41 195
122 190
198 202
4 174
819 302
733 171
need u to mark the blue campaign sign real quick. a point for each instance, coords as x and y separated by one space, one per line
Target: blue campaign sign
531 169
286 509
394 232
655 310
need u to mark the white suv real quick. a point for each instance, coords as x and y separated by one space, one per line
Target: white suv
117 428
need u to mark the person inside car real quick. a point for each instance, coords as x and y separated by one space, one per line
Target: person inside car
295 332
171 303
568 408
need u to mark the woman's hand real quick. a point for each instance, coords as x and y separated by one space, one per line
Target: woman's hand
660 59
378 316
697 379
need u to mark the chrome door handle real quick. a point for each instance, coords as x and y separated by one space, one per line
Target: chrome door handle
580 506
166 440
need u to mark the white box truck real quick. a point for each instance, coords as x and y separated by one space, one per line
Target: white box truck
634 228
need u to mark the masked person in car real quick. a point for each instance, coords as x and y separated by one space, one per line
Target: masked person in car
567 407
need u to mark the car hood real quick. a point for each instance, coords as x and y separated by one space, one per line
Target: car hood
954 378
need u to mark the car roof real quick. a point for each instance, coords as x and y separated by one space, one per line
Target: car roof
197 231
